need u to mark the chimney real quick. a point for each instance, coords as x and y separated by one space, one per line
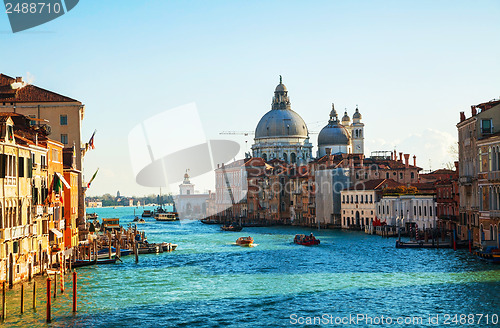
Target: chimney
401 157
361 157
407 160
19 79
395 155
329 159
392 156
218 165
414 160
462 116
456 166
473 110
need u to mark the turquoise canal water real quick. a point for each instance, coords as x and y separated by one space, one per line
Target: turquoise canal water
210 282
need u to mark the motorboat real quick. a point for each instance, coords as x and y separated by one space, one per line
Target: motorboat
306 240
244 241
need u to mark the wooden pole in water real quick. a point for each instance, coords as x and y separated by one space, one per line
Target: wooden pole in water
109 246
48 300
136 251
4 308
74 291
34 296
22 298
55 285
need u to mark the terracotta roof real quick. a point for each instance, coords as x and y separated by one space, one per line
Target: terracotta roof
27 93
376 184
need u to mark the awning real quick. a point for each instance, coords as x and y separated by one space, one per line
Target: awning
57 233
66 184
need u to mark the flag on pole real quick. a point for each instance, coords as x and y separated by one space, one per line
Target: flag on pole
91 141
93 177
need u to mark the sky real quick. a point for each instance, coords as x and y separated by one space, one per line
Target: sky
410 66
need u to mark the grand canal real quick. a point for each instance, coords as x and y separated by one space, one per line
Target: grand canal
209 282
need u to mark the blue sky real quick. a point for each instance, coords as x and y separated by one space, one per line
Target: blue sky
411 66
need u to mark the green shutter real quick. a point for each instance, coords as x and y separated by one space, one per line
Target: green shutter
30 168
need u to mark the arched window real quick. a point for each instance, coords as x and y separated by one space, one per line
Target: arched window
293 157
285 157
264 156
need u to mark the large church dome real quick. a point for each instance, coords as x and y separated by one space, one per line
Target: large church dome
281 120
281 123
281 133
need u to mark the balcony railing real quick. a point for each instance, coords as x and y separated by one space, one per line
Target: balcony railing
494 175
465 179
495 213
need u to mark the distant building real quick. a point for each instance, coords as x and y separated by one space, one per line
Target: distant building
94 203
189 204
359 202
398 210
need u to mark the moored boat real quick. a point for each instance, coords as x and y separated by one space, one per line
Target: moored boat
244 241
82 263
490 254
231 227
306 240
147 214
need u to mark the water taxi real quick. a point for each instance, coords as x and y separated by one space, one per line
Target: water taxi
244 241
306 240
490 254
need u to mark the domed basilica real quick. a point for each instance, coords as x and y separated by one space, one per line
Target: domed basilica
282 133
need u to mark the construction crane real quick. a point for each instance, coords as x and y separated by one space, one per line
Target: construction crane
247 133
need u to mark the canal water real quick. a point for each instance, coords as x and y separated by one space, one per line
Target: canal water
210 282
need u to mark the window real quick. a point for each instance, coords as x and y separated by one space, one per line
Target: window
412 174
430 210
63 119
371 199
401 175
486 126
21 167
32 122
64 139
387 175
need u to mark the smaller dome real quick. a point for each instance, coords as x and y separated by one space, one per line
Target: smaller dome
357 114
280 88
333 134
346 118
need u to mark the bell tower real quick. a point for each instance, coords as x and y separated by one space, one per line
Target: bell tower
357 133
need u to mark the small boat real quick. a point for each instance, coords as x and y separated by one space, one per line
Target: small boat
141 220
209 221
82 263
104 253
306 240
147 214
111 224
231 227
149 249
168 216
244 241
490 254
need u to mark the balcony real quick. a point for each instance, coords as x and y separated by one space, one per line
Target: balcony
495 214
465 180
494 175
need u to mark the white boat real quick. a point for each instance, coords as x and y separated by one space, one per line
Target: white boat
167 216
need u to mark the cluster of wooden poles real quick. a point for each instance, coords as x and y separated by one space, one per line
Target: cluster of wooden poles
34 295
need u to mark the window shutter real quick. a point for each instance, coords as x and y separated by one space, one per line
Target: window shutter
21 167
30 168
3 165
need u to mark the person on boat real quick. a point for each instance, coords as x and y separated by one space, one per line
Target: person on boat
312 236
